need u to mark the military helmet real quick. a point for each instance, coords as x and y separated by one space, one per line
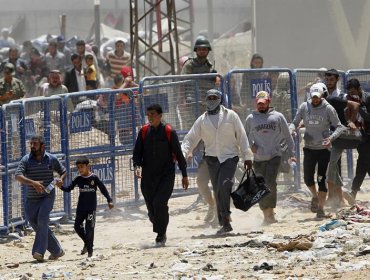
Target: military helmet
202 42
9 68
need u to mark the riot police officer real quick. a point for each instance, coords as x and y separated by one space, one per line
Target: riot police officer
11 88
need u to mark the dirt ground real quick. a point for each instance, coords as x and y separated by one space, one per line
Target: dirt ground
124 247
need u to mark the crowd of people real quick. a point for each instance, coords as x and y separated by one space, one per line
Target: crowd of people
258 137
30 70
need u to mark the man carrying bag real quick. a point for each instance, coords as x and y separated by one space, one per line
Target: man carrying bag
266 129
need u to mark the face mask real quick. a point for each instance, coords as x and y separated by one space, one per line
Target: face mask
212 104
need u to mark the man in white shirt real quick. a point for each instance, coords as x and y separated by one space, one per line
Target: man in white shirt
224 139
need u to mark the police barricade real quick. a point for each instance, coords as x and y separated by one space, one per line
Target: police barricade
102 125
303 80
12 151
3 188
363 75
181 98
43 116
243 85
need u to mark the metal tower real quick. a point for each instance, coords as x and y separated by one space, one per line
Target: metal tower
155 35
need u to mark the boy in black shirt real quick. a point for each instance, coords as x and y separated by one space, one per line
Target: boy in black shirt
88 183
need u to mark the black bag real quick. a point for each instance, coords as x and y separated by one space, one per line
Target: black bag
285 156
348 139
250 191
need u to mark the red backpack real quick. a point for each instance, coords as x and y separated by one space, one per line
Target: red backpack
168 129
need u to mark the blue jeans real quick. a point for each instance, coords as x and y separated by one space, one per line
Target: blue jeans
37 214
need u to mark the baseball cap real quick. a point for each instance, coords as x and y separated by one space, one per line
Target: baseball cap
214 92
316 90
262 97
126 71
11 68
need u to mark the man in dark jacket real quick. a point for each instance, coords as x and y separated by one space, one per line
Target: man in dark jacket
155 151
75 79
363 160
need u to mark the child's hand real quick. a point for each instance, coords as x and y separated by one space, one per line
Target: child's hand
110 205
59 182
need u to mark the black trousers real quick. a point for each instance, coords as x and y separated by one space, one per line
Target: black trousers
86 233
222 178
311 159
362 166
157 190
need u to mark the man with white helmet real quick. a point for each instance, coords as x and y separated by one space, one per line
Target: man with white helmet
224 140
317 116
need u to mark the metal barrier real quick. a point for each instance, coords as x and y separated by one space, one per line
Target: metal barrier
242 86
104 125
181 98
304 78
12 151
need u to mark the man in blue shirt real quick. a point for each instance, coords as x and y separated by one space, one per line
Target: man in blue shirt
36 171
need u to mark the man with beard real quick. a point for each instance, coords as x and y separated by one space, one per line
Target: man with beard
317 116
35 171
268 135
331 80
54 85
224 139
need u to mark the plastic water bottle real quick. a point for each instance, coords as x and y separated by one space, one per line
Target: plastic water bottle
293 165
51 186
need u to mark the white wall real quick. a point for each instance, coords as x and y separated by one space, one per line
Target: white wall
314 33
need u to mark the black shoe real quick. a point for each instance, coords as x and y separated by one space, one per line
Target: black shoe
225 229
160 240
90 254
84 250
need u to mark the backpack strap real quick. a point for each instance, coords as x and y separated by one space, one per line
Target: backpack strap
168 129
144 130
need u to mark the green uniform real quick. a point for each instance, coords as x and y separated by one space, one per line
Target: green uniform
16 86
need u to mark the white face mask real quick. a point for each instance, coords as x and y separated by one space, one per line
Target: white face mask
212 104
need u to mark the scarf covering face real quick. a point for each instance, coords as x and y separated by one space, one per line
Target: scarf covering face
213 106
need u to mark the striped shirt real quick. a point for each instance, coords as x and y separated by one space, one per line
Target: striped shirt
116 62
41 171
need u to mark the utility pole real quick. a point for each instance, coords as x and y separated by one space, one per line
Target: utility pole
210 26
63 22
97 21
